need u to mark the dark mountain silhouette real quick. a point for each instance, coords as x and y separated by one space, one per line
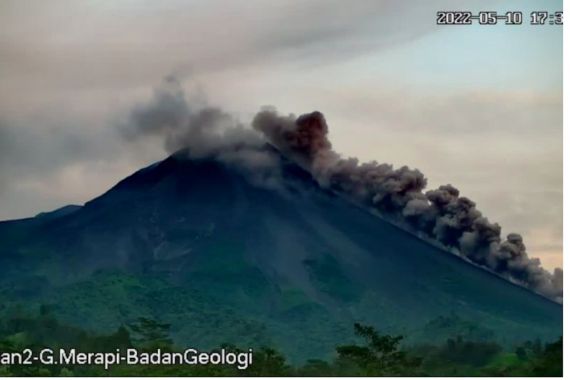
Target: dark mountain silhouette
196 244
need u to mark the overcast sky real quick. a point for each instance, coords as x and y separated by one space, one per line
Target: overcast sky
477 107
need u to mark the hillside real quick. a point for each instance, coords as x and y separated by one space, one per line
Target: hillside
194 243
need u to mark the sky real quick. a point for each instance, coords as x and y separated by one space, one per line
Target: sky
479 107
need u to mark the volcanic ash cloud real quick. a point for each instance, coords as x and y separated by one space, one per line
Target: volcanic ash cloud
202 131
440 215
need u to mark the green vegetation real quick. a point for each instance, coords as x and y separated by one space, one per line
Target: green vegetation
371 354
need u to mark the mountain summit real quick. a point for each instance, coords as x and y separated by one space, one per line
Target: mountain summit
197 243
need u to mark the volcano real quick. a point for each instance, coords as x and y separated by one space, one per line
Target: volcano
195 243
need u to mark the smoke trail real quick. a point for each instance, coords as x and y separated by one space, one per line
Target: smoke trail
202 131
441 215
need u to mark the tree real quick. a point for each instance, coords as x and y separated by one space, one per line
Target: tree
150 334
549 362
268 362
380 356
315 368
469 352
521 353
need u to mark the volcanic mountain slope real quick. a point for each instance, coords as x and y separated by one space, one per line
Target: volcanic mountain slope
196 244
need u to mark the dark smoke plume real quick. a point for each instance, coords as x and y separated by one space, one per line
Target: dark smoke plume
440 215
203 132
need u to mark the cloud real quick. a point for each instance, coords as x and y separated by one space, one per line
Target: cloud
201 131
67 80
113 45
440 215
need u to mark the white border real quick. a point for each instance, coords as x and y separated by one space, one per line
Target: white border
566 207
565 137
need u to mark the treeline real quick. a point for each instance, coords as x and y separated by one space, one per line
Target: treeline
374 355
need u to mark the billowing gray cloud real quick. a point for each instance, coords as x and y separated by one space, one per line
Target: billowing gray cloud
85 66
65 81
201 131
440 215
